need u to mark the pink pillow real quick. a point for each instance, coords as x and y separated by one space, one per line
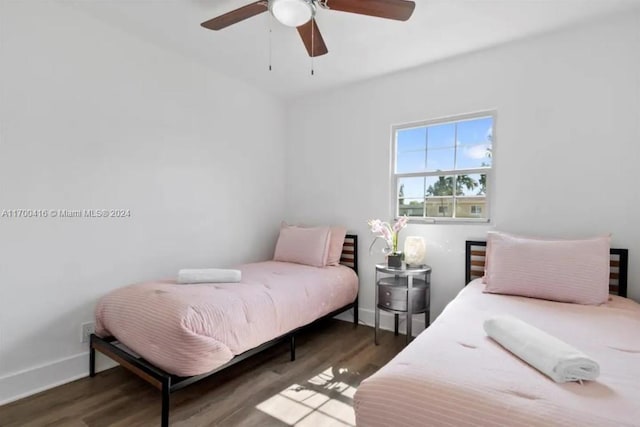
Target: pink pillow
574 271
335 245
303 245
486 257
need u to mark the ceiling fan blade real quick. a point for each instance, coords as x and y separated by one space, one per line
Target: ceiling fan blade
400 10
310 35
236 16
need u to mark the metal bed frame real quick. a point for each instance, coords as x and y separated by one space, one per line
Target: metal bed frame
168 383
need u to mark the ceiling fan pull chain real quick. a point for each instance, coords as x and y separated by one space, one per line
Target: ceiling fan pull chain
270 18
313 30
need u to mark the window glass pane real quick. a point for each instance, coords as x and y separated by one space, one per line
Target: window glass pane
411 139
468 185
475 139
441 136
473 132
441 147
410 161
473 156
411 207
411 188
439 206
439 202
482 184
471 207
411 147
439 186
441 159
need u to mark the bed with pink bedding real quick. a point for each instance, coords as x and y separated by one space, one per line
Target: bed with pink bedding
192 329
454 375
172 335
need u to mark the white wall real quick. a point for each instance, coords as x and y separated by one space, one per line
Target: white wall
566 153
91 117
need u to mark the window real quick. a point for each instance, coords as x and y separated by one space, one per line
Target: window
442 168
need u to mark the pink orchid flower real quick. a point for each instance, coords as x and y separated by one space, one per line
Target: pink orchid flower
400 224
386 232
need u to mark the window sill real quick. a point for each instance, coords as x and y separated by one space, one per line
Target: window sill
461 221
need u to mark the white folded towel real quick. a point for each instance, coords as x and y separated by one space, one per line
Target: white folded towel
208 275
551 356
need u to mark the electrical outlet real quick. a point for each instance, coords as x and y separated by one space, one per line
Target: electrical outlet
86 329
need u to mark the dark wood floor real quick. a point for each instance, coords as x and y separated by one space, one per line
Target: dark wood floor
266 390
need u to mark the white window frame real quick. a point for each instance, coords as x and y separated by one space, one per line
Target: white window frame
488 171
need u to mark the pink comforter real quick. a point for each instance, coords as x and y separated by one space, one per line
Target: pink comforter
453 374
192 329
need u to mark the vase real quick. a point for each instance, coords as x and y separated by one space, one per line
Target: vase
414 250
394 260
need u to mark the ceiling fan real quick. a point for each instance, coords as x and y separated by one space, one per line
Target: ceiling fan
301 14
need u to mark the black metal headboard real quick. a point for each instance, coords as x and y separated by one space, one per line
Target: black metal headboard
349 255
475 257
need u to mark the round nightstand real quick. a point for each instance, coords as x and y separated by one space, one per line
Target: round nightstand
402 291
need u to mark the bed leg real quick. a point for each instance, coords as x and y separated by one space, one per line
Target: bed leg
92 358
355 313
292 347
396 324
166 402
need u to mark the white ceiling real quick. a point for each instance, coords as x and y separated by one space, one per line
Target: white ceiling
360 47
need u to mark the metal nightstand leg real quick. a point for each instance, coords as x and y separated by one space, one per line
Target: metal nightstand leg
396 318
409 306
377 314
377 325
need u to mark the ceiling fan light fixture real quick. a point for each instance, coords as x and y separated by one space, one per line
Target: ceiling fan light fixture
292 13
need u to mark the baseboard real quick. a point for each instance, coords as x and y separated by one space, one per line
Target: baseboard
19 385
367 317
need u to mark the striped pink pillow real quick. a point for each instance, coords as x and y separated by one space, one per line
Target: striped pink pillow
574 271
308 246
335 244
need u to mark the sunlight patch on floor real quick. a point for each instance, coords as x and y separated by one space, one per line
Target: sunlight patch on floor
318 403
